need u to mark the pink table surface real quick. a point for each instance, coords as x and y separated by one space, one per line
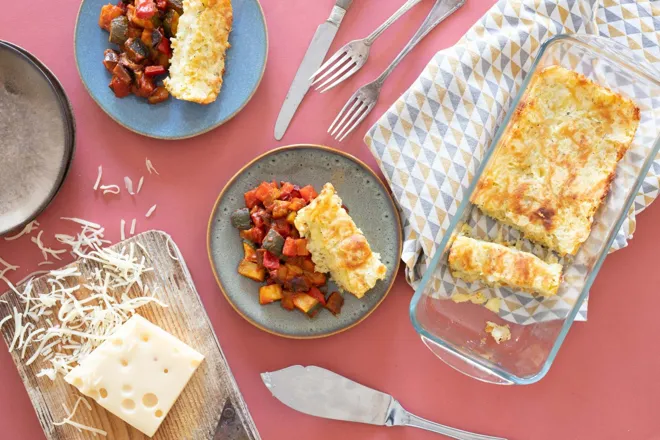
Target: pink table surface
603 384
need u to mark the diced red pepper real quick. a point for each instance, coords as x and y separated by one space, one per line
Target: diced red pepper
317 295
270 261
255 235
161 4
145 9
282 227
267 192
285 190
251 199
144 86
120 88
122 5
164 46
308 193
290 248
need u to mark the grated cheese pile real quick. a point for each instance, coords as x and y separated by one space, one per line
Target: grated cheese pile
79 312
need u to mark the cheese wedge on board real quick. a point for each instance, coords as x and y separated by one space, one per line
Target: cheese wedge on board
137 374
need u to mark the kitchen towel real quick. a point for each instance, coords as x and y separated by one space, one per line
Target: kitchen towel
430 142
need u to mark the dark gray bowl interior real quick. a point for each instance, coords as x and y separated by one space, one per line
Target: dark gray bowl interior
370 206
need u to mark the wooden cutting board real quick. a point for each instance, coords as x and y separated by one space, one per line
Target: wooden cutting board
210 407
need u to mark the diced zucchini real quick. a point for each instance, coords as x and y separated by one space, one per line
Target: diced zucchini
119 30
306 304
252 270
250 253
136 50
240 219
334 303
273 242
287 300
269 294
177 5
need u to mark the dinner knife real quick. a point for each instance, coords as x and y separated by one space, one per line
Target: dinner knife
322 393
313 59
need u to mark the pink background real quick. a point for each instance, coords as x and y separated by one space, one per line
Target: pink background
603 384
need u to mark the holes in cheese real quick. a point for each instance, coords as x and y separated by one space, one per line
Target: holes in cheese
124 363
127 389
158 413
117 342
150 400
103 392
145 337
166 371
77 382
128 404
194 363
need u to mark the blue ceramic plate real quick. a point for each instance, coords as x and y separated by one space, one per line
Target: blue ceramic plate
370 205
174 119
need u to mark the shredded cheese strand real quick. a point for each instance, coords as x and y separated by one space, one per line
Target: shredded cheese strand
98 178
140 185
151 211
26 230
150 167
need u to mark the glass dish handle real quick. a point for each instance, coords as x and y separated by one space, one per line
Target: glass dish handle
463 365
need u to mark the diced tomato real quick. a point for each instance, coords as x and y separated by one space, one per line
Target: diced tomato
285 190
317 295
145 9
301 245
290 247
120 88
282 227
261 218
271 261
297 204
263 191
161 4
255 235
251 199
308 193
154 70
164 46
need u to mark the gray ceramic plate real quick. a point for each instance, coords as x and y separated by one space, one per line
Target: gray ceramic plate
37 129
369 203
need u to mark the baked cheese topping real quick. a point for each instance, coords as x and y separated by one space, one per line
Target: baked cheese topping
500 333
137 374
199 50
497 265
554 165
337 245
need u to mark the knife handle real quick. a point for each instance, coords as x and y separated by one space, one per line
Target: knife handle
397 416
344 4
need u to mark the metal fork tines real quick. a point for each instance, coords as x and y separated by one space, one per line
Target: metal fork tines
350 58
363 101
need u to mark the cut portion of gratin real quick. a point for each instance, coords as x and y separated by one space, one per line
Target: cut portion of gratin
199 50
497 265
554 165
337 245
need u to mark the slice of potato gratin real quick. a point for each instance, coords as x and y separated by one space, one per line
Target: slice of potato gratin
337 245
199 50
497 265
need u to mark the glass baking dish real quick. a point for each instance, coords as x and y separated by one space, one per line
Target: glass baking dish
455 331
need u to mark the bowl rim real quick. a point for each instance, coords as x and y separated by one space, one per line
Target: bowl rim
186 136
399 231
69 122
481 363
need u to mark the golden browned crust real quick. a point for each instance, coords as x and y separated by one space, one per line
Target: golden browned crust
554 165
497 265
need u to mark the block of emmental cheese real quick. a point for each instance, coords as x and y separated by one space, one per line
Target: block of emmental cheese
137 374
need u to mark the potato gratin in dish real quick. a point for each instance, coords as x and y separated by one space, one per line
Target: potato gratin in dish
547 178
294 237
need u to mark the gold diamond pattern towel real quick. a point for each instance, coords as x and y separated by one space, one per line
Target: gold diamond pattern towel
430 142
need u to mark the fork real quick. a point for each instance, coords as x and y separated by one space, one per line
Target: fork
364 99
355 54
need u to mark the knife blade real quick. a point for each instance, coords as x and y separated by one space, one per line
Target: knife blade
316 52
322 393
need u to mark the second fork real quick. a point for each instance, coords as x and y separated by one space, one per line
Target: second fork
350 58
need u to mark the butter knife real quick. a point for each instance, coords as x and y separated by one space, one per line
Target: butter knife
322 393
313 59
